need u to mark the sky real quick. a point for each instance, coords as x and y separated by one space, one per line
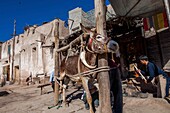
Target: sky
30 12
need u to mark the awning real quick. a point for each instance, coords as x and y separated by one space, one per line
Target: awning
142 8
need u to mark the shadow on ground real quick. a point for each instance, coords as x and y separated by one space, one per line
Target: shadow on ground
3 93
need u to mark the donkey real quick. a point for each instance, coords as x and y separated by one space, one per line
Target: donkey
70 67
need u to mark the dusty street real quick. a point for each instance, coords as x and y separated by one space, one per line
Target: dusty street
27 99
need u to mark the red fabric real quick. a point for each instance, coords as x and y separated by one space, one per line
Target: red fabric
145 24
165 19
90 43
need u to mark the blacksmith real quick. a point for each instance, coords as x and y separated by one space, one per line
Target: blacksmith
151 71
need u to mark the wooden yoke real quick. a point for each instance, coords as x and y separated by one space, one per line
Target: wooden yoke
103 77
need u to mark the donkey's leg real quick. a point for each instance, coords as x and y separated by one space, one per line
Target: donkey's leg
62 75
64 83
88 95
64 95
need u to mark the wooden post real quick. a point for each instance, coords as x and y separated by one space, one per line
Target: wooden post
56 58
166 4
103 77
13 52
161 87
43 61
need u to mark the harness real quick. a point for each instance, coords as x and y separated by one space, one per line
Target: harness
95 43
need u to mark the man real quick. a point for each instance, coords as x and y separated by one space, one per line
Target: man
152 71
95 100
52 79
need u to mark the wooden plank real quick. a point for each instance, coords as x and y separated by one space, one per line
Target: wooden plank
161 87
42 86
103 77
75 41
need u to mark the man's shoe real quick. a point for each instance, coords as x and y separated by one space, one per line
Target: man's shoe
87 106
96 103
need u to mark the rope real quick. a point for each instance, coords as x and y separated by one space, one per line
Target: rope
71 49
68 52
60 85
89 50
96 70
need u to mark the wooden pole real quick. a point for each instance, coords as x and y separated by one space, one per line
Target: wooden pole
103 77
166 4
56 58
13 51
43 60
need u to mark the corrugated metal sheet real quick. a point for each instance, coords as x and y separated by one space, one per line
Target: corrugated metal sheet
140 7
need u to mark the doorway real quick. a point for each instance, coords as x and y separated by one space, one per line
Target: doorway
6 72
17 74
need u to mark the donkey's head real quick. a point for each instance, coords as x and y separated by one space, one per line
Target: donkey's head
97 43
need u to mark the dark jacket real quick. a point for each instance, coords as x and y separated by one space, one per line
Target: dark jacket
152 71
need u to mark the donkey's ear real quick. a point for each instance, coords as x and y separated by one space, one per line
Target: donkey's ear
86 30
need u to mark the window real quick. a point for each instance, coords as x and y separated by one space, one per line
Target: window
33 49
18 39
9 49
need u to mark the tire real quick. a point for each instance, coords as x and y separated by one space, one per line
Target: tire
116 91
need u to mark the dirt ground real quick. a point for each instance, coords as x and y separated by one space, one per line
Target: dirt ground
27 99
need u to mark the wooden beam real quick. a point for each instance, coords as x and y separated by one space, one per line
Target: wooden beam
103 77
56 61
47 46
75 41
